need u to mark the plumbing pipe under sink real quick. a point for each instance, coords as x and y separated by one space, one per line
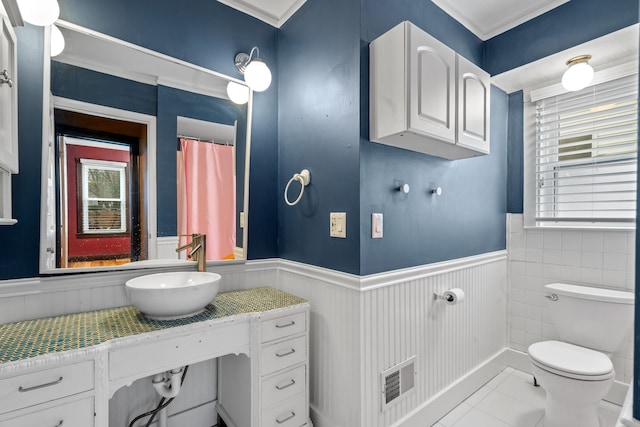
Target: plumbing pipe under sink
167 385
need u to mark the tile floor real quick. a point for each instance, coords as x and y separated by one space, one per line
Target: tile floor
509 400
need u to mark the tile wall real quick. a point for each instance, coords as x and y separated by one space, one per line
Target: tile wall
538 257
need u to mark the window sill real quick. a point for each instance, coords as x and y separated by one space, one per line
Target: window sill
578 228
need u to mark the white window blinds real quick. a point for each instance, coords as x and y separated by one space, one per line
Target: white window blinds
586 156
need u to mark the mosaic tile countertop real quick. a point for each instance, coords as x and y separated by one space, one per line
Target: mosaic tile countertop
31 338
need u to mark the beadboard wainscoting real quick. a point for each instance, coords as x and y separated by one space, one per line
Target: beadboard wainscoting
599 258
360 326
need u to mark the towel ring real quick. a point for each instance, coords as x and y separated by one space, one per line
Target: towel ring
304 178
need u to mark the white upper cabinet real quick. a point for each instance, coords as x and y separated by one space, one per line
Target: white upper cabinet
8 99
424 97
8 118
473 106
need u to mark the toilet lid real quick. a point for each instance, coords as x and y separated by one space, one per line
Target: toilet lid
570 358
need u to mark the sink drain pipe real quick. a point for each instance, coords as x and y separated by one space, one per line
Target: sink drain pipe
167 385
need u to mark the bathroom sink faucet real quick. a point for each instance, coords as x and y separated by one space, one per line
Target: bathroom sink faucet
198 250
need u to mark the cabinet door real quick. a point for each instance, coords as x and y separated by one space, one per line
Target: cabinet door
8 99
473 106
431 86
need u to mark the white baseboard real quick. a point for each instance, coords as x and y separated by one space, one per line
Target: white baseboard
440 404
318 419
520 360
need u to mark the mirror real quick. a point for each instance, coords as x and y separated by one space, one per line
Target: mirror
140 148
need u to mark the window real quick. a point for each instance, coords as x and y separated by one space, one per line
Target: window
104 196
586 156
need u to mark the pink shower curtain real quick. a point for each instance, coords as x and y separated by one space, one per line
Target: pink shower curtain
207 195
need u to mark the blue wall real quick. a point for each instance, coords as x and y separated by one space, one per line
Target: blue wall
515 153
573 23
420 228
323 126
318 129
206 33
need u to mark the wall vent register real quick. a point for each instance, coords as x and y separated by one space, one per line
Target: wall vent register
397 382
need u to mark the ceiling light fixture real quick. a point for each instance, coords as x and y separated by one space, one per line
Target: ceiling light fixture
579 74
255 70
39 12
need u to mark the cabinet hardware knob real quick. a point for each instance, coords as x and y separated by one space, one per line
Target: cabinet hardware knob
59 424
287 385
36 387
286 325
4 78
283 420
286 353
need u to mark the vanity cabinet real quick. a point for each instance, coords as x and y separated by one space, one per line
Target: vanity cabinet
8 118
51 397
280 391
425 97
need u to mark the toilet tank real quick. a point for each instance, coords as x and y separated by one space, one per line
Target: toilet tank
596 318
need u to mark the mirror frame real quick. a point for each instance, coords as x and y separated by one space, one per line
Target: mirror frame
217 89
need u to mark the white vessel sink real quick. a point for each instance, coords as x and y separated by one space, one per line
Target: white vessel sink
166 296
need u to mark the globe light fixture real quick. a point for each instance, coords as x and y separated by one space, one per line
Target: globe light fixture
39 12
579 74
238 93
255 70
57 41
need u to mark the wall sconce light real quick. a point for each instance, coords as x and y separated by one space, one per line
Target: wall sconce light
57 41
255 70
39 12
579 74
238 93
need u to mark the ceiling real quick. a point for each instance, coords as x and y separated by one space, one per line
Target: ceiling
488 18
615 50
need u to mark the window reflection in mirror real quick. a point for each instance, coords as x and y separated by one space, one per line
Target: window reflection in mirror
98 195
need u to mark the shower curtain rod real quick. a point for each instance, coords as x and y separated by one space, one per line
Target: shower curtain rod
205 140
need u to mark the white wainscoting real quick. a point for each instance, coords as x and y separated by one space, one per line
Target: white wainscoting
360 326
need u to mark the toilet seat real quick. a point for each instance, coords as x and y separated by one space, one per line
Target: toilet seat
571 361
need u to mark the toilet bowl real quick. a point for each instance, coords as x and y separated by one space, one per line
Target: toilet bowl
575 380
576 372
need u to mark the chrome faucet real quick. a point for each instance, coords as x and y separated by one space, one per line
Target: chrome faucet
198 250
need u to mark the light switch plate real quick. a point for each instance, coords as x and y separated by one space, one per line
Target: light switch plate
338 224
376 226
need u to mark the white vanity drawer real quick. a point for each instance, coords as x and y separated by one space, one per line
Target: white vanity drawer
73 414
42 386
283 326
281 355
292 413
283 386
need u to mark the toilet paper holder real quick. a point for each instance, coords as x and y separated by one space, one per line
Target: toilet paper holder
450 296
444 297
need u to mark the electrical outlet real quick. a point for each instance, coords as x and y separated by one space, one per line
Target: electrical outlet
338 224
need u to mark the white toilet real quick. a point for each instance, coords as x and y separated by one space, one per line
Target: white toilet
576 373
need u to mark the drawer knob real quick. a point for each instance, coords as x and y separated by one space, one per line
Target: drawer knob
286 353
36 387
286 325
59 424
287 418
287 385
